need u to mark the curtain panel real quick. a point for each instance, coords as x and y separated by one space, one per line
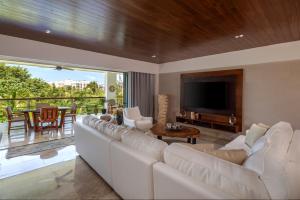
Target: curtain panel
140 92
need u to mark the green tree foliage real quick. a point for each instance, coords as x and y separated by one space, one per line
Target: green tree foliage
16 82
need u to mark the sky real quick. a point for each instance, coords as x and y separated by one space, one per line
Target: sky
50 75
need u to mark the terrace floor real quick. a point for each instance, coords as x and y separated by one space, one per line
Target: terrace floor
20 138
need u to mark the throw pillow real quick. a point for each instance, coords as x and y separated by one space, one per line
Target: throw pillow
201 147
263 125
254 133
237 156
258 145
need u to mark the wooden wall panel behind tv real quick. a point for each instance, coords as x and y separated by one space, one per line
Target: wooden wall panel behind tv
238 74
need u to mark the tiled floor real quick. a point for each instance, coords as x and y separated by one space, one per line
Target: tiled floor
72 179
22 164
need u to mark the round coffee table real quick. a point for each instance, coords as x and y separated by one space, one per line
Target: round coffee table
186 132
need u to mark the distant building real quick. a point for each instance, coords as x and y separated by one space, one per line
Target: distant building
72 83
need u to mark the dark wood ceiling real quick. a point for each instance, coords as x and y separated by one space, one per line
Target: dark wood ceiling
170 29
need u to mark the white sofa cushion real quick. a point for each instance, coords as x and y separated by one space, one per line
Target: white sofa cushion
270 160
101 126
86 119
223 175
171 184
91 121
254 133
144 143
114 131
94 122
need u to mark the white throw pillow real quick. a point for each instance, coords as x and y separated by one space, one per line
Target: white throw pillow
254 133
263 125
269 161
259 144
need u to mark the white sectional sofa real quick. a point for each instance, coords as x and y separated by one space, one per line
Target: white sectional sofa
268 173
138 166
123 157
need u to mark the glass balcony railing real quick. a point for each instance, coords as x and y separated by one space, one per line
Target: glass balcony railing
85 105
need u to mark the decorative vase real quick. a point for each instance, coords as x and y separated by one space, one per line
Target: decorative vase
232 120
192 115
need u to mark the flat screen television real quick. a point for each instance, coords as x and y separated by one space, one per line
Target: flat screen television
212 96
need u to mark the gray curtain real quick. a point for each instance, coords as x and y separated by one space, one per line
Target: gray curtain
140 90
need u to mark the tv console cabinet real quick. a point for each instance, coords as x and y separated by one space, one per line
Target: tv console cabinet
210 121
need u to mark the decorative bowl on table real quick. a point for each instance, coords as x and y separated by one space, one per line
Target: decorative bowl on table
173 127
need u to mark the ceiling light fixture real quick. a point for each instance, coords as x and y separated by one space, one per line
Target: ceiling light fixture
154 56
48 31
239 36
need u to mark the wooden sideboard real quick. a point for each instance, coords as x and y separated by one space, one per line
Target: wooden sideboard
211 121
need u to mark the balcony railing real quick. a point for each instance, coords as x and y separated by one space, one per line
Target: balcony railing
85 105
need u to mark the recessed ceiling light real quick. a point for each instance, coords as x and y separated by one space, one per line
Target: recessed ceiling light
48 31
238 36
153 56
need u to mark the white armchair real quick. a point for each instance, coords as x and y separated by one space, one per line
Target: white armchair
133 118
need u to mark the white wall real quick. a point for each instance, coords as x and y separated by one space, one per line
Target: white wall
18 49
273 53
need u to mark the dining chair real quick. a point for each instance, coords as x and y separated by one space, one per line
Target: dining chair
70 117
14 119
49 116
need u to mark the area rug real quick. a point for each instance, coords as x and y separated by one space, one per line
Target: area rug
38 147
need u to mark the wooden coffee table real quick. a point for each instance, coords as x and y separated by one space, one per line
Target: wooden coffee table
187 132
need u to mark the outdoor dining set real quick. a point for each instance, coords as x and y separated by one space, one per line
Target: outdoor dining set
44 116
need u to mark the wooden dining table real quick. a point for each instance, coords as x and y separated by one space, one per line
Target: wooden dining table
36 112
